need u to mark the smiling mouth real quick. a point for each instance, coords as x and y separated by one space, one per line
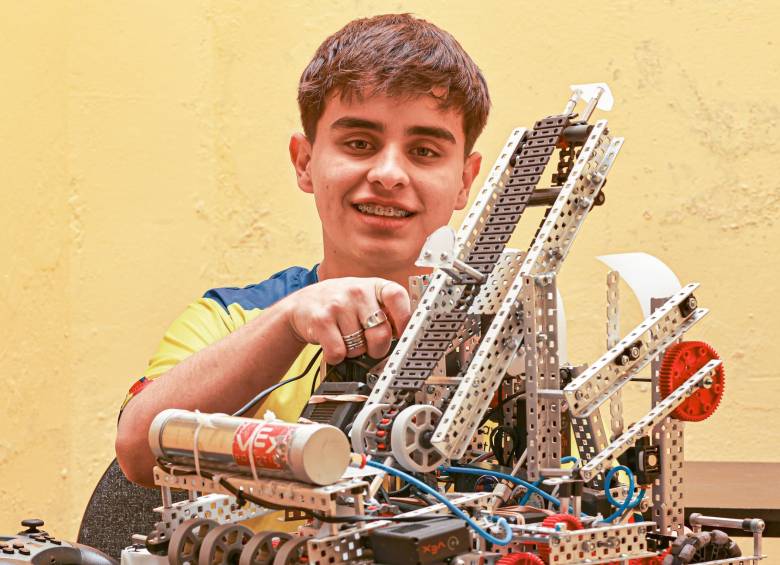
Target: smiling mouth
386 211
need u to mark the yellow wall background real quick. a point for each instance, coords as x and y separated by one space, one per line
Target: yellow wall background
143 160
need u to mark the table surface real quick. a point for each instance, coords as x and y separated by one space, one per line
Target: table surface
718 484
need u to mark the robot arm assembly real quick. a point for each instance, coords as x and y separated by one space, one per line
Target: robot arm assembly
461 451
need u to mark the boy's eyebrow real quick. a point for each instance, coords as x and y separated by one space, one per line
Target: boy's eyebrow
429 131
357 123
348 122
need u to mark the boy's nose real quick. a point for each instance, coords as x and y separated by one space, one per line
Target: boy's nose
389 169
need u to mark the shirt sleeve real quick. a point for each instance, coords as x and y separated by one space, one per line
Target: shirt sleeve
204 322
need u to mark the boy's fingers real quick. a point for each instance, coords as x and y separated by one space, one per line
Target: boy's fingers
350 329
378 336
395 301
333 347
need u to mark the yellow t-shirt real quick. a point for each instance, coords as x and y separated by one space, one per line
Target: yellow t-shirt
218 313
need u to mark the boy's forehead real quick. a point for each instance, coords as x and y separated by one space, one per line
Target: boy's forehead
389 112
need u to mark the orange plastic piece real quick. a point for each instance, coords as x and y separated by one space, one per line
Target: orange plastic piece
520 559
680 362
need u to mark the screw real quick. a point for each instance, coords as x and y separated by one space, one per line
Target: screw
707 382
430 389
596 178
585 202
692 302
444 256
634 352
623 359
578 395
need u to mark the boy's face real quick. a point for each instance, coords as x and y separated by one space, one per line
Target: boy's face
385 173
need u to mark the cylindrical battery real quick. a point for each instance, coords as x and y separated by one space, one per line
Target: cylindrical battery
312 453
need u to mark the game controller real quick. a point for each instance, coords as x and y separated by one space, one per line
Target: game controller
34 545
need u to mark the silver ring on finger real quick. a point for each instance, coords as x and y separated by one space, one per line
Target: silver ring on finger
375 319
355 340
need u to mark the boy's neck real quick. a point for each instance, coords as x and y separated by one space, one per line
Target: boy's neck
330 269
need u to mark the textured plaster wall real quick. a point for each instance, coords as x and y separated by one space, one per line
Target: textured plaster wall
143 159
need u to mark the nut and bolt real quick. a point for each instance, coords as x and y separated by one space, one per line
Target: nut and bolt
585 202
692 302
610 542
707 382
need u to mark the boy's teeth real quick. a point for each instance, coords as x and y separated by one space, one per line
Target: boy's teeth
376 210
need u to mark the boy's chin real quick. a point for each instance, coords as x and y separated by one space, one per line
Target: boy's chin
387 256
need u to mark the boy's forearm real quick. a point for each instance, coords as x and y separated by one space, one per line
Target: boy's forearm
219 378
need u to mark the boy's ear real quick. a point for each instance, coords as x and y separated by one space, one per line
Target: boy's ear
300 155
470 172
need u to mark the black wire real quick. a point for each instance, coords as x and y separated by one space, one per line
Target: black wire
496 439
262 395
401 492
493 412
242 497
314 381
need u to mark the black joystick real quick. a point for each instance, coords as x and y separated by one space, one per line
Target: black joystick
32 525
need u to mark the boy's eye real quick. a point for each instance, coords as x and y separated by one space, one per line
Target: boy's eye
424 152
358 144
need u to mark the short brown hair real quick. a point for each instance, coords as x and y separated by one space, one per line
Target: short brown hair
395 55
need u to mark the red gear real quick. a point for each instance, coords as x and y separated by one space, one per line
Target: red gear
680 362
657 560
520 559
572 523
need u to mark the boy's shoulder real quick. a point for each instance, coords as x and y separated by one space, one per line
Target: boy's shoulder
265 293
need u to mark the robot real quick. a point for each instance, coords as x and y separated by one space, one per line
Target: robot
459 446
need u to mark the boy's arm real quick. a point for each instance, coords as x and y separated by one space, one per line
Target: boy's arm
228 373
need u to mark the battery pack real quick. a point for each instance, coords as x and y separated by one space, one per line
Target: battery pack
421 542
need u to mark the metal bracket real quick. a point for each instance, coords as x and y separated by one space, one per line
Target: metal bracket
616 367
645 425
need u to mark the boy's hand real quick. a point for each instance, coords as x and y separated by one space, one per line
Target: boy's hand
325 312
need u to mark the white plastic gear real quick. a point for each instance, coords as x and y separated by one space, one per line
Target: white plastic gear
364 428
406 438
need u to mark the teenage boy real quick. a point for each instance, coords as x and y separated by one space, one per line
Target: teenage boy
391 107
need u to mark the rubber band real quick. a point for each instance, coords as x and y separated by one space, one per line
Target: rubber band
201 419
252 438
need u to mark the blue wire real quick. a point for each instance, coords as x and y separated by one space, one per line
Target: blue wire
523 501
528 492
510 478
454 509
628 503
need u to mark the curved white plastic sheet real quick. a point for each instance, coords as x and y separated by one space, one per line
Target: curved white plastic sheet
648 276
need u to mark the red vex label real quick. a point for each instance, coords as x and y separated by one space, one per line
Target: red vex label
270 448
